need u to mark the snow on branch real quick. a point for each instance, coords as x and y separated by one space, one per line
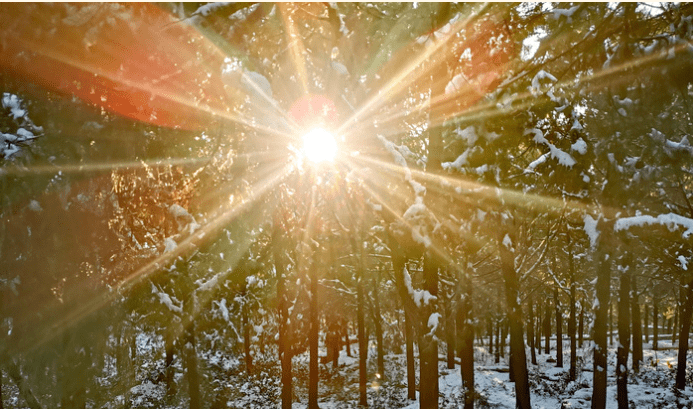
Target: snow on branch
671 220
562 157
168 301
420 297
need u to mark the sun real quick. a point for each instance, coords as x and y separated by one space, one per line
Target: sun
319 145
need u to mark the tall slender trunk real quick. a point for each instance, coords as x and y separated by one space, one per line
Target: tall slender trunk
601 316
170 385
490 336
559 329
377 321
284 344
547 328
245 323
313 337
363 346
611 323
498 342
503 325
530 332
623 339
538 327
428 351
450 328
517 342
411 370
655 324
686 312
465 316
581 325
572 374
646 322
637 325
191 364
677 313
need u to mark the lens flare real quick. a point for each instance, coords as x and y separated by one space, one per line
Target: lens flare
319 146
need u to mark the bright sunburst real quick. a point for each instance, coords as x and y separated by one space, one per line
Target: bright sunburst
319 145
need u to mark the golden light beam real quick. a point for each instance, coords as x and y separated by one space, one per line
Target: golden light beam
400 81
295 44
99 167
185 247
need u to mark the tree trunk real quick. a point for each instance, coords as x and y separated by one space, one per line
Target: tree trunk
313 337
411 370
611 323
498 342
581 326
191 364
547 328
14 373
284 347
685 326
623 339
646 322
347 342
601 318
363 346
246 337
503 324
428 351
572 373
530 333
378 326
637 325
465 317
655 324
559 329
170 386
450 327
538 327
491 334
517 343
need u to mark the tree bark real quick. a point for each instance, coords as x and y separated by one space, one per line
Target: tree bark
498 341
411 370
559 329
450 328
284 347
246 337
363 346
547 328
313 337
572 373
530 333
428 351
538 326
637 325
517 344
646 322
191 364
465 316
655 324
377 321
601 318
623 339
491 334
686 312
169 345
581 325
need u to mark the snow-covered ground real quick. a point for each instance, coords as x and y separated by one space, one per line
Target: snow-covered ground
652 387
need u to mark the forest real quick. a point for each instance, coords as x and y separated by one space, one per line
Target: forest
342 205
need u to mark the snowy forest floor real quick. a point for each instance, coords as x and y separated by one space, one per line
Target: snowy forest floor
652 387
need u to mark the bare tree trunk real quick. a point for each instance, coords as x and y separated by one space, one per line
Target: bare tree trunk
572 374
428 351
530 332
313 337
450 328
601 317
581 325
465 317
363 346
284 347
517 342
246 337
637 325
377 321
675 326
491 334
169 345
655 324
411 370
547 328
193 375
611 323
646 322
538 327
686 312
14 372
498 342
559 329
623 339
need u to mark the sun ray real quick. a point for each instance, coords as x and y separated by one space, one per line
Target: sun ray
295 44
188 245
